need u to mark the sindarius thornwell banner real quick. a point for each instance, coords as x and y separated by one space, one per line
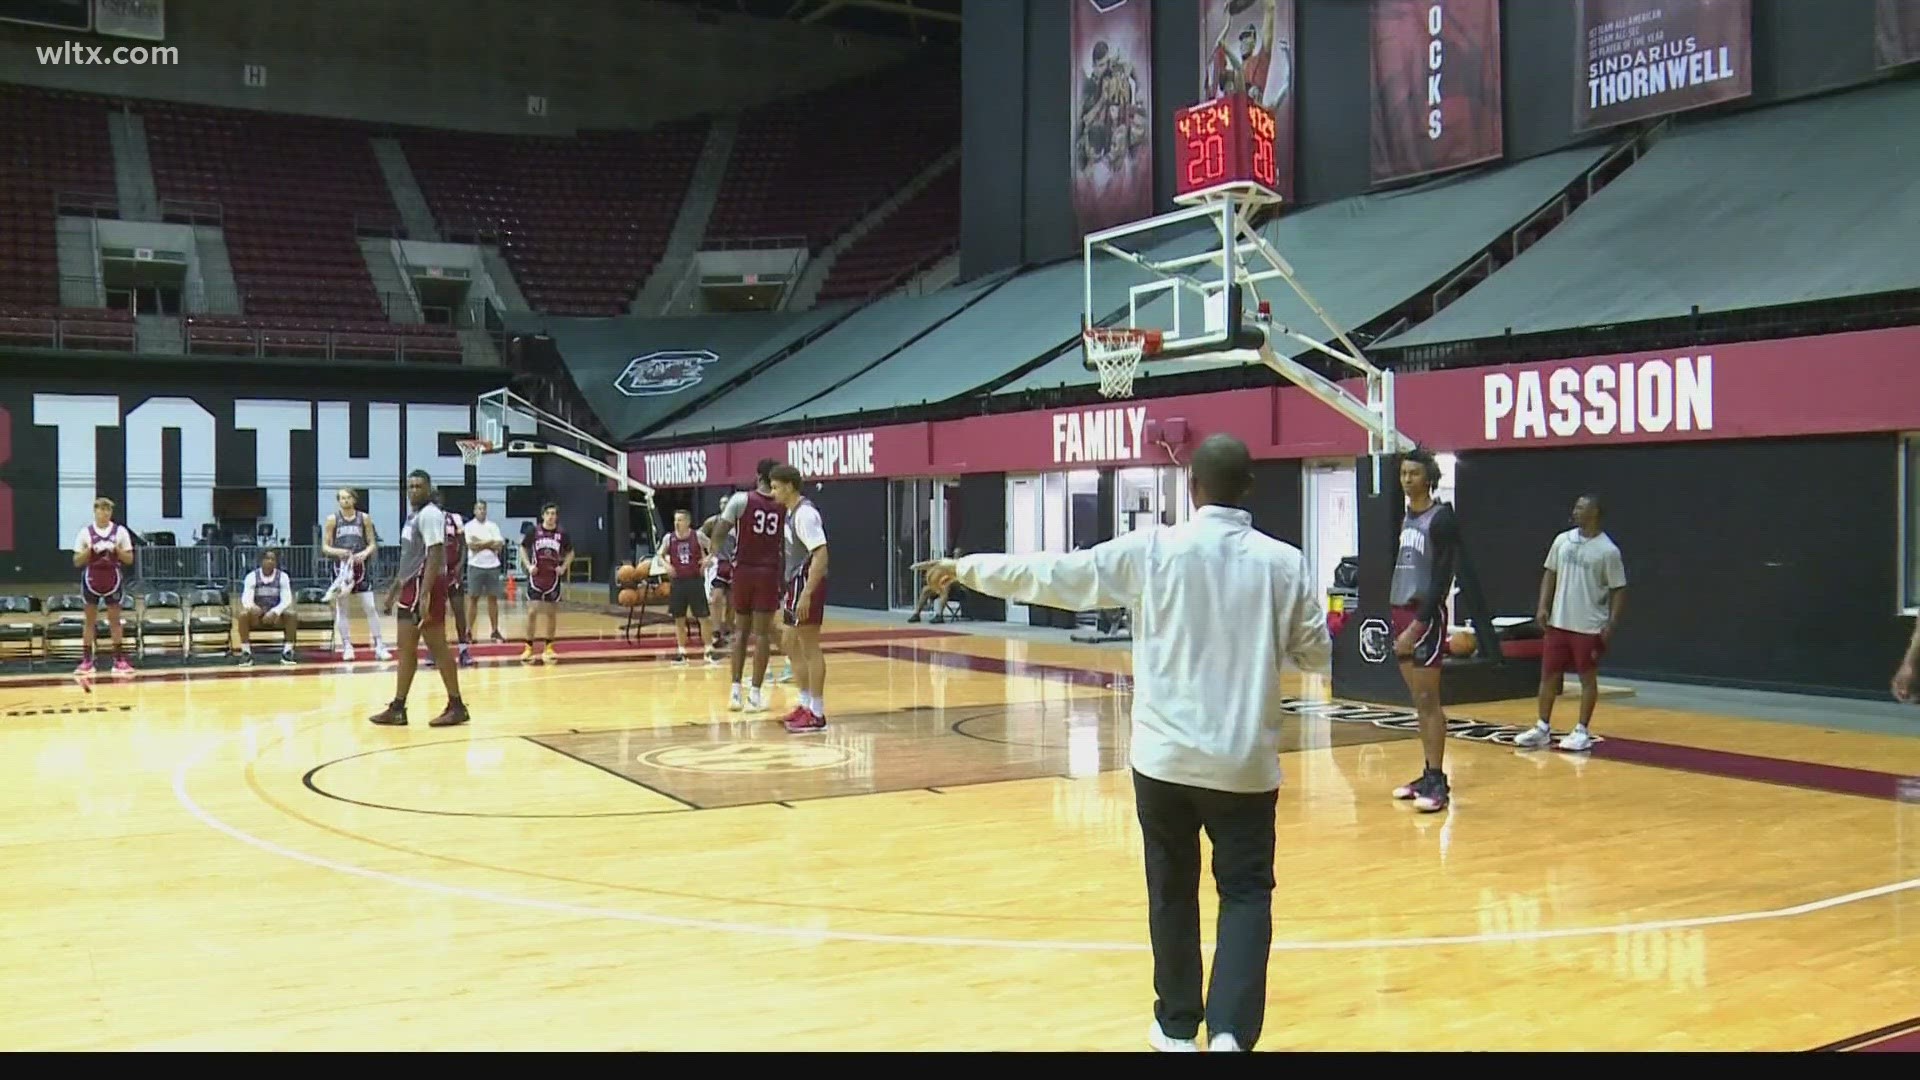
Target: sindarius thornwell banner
1896 32
1641 58
1248 45
1112 88
1436 85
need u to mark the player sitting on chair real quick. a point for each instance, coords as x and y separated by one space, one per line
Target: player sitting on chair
265 599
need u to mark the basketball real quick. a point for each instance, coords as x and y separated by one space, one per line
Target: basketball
628 574
628 597
659 591
1462 643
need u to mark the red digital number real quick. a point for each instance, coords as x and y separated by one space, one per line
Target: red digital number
1207 159
1263 164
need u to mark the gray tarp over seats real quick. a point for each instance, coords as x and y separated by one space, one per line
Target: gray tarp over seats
634 372
1809 201
1361 257
865 338
1031 315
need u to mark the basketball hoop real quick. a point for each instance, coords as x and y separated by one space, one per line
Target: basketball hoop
1116 352
471 450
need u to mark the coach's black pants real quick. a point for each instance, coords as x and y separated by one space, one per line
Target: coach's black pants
1240 827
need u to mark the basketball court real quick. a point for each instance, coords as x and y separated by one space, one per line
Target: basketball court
607 858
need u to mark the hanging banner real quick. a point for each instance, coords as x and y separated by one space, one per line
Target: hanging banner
1248 44
1641 58
1896 32
1436 86
1112 98
143 19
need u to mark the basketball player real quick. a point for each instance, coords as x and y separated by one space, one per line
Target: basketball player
421 590
101 552
1581 596
1422 581
349 538
265 597
456 586
685 551
805 599
720 577
762 522
547 553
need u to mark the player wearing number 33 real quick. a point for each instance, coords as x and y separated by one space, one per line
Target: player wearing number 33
758 559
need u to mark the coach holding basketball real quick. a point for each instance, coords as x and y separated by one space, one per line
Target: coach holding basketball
1217 607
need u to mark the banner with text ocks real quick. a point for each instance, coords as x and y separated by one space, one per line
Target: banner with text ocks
1436 86
1641 58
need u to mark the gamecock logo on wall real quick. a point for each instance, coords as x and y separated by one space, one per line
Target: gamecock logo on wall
666 372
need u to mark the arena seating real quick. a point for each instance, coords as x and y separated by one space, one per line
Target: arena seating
581 221
228 335
50 143
921 232
813 165
291 191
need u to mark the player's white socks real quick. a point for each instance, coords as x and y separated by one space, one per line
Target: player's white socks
373 619
343 632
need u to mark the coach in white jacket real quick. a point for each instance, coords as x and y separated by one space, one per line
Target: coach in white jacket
1217 608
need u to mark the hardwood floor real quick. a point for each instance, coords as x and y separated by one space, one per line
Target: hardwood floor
606 858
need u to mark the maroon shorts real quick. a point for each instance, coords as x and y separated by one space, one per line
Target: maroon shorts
816 604
723 574
1565 649
429 610
756 589
1432 646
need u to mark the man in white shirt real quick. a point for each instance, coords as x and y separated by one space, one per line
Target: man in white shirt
485 542
1581 594
1217 606
265 598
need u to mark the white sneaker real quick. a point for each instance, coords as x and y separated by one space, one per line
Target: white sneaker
1160 1041
734 701
1533 737
757 700
346 654
1224 1042
1577 739
382 653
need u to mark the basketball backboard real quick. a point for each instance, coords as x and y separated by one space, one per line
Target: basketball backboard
1171 274
1195 279
511 424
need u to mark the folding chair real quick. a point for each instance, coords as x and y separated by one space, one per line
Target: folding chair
164 615
20 624
210 617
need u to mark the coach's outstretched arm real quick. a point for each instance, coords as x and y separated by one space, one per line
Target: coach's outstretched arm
1105 576
1308 644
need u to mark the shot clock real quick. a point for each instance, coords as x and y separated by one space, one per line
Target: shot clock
1224 143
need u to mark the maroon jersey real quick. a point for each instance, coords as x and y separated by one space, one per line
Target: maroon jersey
683 554
102 576
549 549
456 541
762 529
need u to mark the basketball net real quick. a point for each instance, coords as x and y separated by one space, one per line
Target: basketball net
471 450
1116 353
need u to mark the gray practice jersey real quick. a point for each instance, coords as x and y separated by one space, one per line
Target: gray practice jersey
1423 568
